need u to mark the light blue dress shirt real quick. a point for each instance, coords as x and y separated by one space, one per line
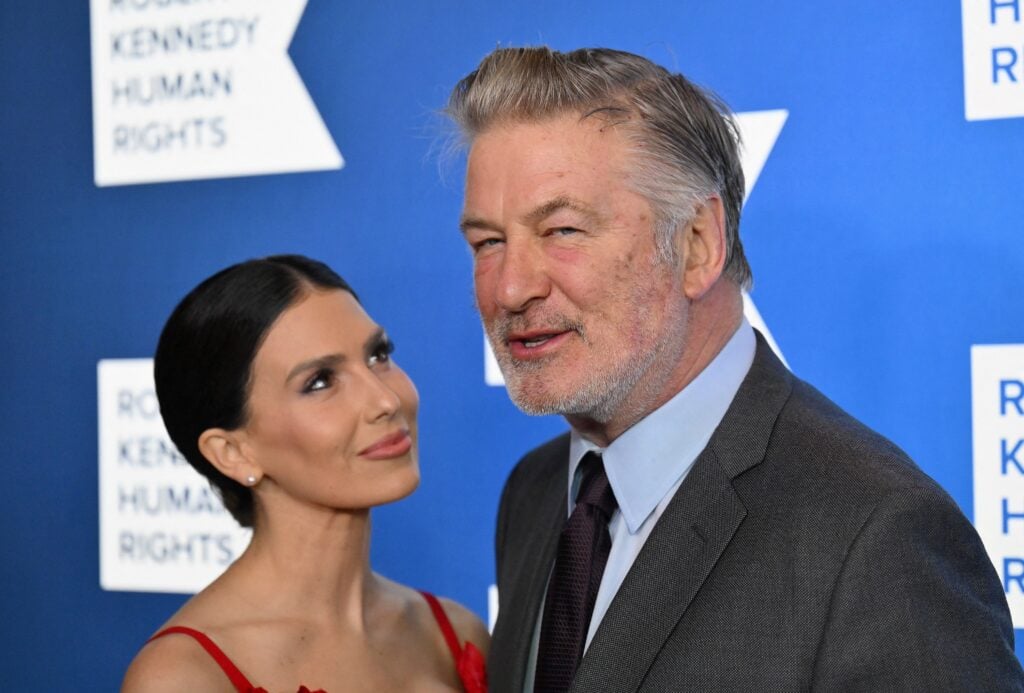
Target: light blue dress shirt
646 464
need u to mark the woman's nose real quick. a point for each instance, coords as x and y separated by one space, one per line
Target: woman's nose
383 402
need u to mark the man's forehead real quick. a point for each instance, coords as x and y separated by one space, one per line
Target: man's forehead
537 153
539 168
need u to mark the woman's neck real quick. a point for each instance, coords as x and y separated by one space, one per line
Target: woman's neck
309 563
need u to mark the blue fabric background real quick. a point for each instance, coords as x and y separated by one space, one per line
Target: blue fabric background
884 233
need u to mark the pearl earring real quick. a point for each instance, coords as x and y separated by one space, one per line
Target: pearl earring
250 480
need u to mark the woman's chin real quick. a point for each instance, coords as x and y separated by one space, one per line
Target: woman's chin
405 484
394 486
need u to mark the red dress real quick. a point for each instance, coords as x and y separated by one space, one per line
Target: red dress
469 662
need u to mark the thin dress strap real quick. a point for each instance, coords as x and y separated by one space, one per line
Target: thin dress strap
238 679
446 626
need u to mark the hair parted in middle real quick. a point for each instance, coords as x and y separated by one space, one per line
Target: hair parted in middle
204 359
685 141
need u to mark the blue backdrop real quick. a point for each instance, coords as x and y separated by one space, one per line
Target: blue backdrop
884 233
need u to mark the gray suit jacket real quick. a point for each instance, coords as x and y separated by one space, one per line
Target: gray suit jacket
802 552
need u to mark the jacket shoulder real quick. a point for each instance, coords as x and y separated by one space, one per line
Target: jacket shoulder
541 463
824 443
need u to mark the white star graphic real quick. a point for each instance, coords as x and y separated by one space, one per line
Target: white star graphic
758 132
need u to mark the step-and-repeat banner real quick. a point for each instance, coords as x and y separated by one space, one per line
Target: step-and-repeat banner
149 143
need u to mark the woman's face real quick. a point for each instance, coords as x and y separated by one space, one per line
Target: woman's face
332 419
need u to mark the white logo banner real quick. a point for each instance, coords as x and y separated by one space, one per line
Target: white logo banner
190 89
993 58
162 528
997 397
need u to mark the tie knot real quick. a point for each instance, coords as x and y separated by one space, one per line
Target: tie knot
595 490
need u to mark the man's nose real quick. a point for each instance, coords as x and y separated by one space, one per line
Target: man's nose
523 276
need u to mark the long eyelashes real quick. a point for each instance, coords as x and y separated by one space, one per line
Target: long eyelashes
380 351
320 380
378 355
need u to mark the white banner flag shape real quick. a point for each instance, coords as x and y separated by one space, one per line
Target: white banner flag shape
185 91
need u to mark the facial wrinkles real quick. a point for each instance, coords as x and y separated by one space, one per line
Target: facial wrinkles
622 376
622 308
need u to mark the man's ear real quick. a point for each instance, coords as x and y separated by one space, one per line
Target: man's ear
704 247
224 450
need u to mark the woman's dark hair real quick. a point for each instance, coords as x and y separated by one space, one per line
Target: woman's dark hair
203 362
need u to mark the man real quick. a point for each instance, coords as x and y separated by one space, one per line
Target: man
718 523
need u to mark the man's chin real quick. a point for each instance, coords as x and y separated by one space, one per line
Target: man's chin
535 396
531 394
532 403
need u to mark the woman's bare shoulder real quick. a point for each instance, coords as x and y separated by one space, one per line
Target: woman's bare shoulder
174 662
467 624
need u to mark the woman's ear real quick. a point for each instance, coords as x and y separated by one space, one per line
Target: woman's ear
224 450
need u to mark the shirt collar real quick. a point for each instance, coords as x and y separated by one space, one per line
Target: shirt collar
647 460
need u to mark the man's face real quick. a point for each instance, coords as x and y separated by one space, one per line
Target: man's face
584 316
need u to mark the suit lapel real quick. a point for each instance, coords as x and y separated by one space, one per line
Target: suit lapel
522 590
675 561
696 527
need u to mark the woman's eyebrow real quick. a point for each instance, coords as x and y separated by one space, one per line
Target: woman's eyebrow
328 361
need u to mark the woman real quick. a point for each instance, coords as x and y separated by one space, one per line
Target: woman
277 386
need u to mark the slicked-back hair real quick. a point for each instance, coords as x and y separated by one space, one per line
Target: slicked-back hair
203 362
684 140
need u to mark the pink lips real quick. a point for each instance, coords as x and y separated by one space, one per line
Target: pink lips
393 445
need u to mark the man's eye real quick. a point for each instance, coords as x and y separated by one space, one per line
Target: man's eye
565 230
321 380
486 243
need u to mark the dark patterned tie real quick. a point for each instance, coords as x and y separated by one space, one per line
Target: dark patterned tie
582 552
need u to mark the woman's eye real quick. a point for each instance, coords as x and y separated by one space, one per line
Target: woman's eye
321 380
382 354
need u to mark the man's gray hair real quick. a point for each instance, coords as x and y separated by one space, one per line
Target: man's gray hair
685 140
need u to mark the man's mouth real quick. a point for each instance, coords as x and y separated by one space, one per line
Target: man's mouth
535 341
534 344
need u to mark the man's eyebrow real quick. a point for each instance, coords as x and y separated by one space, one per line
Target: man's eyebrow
532 217
328 361
470 222
555 205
